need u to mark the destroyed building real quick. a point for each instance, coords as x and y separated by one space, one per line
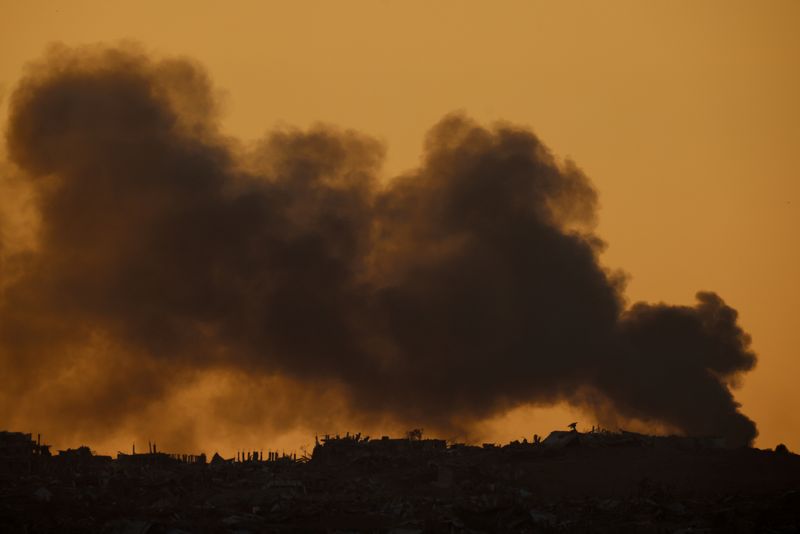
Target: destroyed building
19 453
568 482
349 447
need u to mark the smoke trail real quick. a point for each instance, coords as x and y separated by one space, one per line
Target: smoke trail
447 295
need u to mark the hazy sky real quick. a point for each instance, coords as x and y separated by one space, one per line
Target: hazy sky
685 114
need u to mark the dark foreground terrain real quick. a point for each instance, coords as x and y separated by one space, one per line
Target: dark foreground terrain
571 482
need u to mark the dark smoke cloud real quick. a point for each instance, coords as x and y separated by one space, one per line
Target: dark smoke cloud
462 289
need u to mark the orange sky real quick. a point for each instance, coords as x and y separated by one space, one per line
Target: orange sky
684 114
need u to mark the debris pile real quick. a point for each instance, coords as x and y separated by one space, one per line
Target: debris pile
569 482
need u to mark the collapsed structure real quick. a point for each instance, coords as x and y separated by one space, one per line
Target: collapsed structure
19 453
568 482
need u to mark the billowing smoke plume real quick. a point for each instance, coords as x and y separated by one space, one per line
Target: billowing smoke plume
441 297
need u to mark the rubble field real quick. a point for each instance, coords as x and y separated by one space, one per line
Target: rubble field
569 482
